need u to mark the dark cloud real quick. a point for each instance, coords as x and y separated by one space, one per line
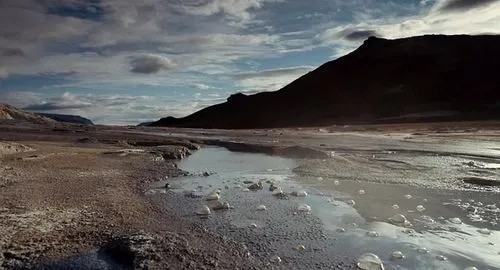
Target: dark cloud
52 106
357 35
12 52
150 64
461 5
81 9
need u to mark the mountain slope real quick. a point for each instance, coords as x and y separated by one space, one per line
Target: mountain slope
421 78
8 112
67 118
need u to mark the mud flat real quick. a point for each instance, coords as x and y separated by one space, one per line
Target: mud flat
95 197
75 200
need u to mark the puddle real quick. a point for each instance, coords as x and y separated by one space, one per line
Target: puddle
444 230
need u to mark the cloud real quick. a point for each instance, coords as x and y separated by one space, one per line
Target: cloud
271 73
3 73
270 79
201 86
12 52
483 19
64 102
218 46
235 9
461 5
357 35
149 64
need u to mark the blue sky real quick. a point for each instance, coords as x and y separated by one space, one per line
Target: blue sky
128 61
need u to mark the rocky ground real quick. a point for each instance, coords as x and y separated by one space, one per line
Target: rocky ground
74 196
69 191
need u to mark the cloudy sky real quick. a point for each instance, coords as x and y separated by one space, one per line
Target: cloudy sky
128 61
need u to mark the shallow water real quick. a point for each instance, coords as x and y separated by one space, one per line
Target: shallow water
345 228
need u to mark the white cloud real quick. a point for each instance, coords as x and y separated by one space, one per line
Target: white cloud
472 19
235 9
201 86
269 80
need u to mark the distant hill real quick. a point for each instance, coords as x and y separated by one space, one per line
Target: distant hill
424 78
66 118
8 112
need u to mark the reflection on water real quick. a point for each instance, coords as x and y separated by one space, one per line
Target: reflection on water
430 229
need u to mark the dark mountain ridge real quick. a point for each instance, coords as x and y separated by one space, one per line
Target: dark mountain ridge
424 78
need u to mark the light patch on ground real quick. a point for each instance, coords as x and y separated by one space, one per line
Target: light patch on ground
7 148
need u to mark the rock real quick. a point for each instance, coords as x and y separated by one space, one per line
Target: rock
172 152
408 196
167 186
441 258
213 196
420 208
300 248
481 181
361 192
422 250
256 186
397 255
218 205
370 261
455 220
484 231
261 208
136 251
272 187
280 194
372 234
300 193
398 219
203 211
395 206
275 259
304 208
491 207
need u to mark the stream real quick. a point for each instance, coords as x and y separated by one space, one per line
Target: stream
406 227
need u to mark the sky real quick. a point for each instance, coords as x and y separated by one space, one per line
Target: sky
126 61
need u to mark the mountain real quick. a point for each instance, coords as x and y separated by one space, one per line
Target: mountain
8 112
66 118
424 78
